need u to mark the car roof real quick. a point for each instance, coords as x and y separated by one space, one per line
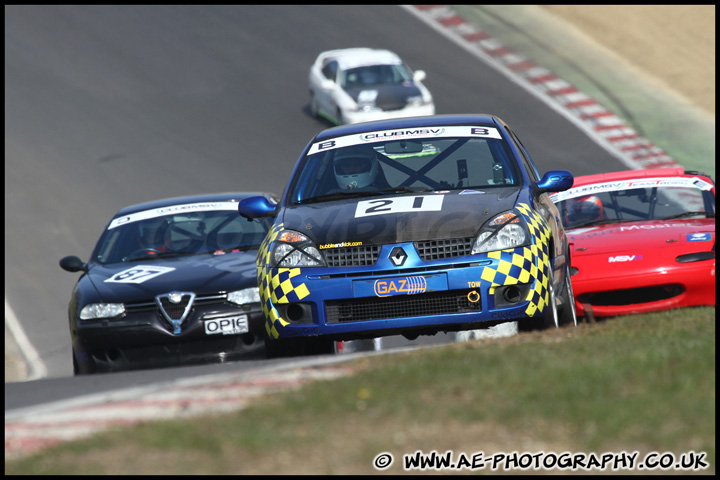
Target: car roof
207 197
411 122
630 174
356 57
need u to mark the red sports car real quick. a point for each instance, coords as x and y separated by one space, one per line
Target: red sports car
641 240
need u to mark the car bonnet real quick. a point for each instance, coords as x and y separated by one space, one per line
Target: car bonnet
385 95
399 218
683 235
142 280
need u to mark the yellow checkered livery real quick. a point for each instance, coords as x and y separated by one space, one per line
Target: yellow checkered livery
532 264
276 285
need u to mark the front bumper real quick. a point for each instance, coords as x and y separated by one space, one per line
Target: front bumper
424 297
678 286
146 339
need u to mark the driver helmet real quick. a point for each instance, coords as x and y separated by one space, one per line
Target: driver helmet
355 167
583 209
152 234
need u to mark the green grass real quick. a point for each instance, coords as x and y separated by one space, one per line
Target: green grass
641 383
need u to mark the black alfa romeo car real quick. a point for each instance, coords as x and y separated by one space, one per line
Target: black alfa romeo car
169 282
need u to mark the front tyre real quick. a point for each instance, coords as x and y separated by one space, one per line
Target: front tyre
314 109
568 314
83 368
551 314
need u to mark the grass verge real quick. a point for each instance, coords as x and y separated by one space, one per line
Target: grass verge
642 383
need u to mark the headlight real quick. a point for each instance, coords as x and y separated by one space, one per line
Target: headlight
416 101
246 295
364 107
507 230
419 100
293 249
101 310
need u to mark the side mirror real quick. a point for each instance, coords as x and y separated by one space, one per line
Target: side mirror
419 75
554 181
256 207
73 264
327 84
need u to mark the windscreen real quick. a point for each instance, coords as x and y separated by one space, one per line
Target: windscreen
416 160
634 200
179 230
372 75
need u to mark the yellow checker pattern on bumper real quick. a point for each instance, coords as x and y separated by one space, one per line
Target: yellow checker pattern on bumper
532 264
265 282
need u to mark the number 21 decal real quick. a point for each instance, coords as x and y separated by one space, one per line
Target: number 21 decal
384 206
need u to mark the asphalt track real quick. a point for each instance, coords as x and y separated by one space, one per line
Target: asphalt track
111 105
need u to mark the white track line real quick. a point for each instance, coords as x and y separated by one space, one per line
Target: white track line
36 367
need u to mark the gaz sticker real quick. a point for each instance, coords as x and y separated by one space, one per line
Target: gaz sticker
385 206
139 274
227 325
400 286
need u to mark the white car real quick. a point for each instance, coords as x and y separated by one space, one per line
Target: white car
355 85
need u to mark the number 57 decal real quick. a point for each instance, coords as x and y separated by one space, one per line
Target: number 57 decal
138 274
384 206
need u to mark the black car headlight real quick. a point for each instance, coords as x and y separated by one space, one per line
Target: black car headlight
94 311
293 249
506 230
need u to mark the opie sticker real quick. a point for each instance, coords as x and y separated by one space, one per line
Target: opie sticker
139 274
227 326
384 206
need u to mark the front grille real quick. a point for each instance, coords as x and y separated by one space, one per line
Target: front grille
632 296
391 105
150 305
376 308
175 311
361 256
438 249
367 255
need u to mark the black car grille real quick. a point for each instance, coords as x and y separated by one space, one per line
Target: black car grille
175 310
374 308
361 256
367 255
632 296
392 105
438 249
150 305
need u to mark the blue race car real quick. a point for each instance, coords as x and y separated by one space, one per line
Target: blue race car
411 226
